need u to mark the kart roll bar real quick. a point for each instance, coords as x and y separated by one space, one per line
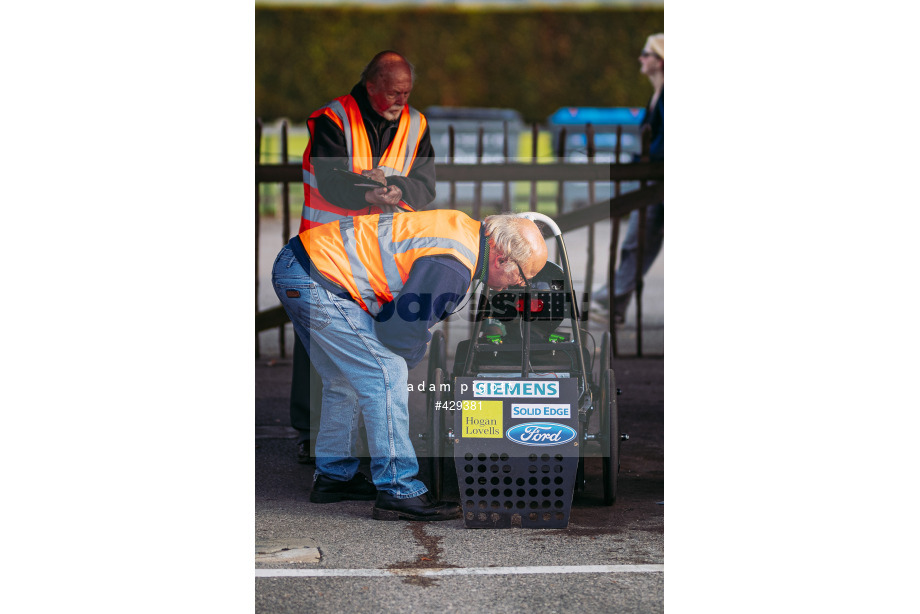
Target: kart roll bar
525 332
566 269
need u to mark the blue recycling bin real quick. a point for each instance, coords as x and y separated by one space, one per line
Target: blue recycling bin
604 121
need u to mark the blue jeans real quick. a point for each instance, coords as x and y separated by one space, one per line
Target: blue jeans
625 279
359 375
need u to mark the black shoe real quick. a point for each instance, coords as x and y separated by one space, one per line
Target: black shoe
422 507
327 490
303 453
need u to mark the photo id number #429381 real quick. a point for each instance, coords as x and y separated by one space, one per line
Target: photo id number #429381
457 405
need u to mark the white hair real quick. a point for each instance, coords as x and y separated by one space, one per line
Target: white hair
505 232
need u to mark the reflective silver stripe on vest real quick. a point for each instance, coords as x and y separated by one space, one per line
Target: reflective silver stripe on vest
401 247
415 127
388 251
339 109
358 270
318 216
387 258
412 140
309 179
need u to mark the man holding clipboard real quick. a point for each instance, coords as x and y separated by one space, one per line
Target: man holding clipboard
371 132
369 152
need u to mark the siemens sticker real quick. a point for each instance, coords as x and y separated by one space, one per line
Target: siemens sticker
540 411
519 388
540 434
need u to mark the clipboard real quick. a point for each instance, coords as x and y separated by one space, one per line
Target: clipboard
360 181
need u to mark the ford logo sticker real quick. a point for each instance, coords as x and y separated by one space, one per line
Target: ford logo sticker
541 434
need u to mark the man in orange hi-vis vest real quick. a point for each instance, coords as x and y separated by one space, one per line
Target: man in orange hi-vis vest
371 131
374 132
362 294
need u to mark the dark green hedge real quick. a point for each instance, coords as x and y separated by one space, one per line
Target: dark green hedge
534 61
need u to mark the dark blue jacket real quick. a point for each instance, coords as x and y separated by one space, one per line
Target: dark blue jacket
654 119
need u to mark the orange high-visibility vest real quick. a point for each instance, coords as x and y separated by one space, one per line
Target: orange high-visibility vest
396 160
370 256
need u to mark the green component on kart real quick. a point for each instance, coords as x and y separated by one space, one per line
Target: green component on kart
493 330
554 338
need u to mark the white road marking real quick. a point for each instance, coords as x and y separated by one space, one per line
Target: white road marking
459 571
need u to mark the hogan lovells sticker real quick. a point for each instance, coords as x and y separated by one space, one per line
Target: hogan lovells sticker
482 419
519 388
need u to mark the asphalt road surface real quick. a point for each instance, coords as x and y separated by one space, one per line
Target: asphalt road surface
336 558
606 559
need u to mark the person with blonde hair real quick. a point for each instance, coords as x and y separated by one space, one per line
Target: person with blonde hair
651 64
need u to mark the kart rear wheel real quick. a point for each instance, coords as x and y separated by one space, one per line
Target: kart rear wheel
611 436
437 359
436 436
606 354
580 470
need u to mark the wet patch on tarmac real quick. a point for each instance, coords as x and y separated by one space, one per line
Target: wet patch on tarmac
431 559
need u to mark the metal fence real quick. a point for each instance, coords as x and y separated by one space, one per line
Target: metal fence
647 175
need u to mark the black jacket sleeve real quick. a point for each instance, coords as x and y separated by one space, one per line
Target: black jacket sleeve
328 151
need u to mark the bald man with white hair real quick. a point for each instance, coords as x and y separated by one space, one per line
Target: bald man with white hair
363 294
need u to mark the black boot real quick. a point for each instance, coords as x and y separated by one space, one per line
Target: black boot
303 453
422 507
327 490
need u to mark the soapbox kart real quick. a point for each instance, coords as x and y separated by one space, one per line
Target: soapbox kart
523 388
